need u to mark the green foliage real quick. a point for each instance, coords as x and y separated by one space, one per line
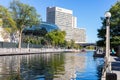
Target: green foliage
37 32
7 21
115 41
66 44
32 39
71 44
101 43
14 77
114 27
20 16
90 47
56 37
40 32
1 22
24 16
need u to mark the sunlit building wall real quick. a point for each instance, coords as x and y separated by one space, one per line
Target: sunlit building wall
59 16
65 20
74 22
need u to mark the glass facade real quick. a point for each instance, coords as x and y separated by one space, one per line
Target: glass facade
49 27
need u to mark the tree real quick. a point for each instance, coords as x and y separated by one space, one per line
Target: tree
7 23
40 32
72 43
56 37
114 27
24 16
6 18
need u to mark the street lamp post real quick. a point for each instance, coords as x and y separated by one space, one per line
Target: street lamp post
108 15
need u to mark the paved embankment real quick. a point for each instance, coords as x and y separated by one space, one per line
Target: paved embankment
115 62
115 67
24 51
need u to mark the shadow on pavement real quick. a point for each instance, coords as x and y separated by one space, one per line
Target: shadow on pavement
117 59
115 66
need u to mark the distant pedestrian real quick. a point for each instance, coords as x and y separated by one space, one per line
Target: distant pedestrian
113 51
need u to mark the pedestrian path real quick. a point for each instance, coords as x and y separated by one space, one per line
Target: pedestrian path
115 62
115 67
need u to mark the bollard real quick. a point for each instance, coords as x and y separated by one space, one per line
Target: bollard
111 76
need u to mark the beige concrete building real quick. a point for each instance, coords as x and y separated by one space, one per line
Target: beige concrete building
65 20
60 16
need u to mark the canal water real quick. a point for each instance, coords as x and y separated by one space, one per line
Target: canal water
51 66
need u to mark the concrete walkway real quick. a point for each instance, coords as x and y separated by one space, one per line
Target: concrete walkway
115 62
115 67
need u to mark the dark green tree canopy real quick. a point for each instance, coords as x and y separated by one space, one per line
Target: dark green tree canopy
114 27
37 32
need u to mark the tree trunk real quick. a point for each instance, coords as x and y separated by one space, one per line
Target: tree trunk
20 37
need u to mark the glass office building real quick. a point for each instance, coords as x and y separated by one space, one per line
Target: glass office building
49 27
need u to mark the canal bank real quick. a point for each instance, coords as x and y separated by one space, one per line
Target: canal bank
115 69
25 51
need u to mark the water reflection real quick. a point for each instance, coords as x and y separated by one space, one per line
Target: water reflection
93 68
31 67
73 63
50 66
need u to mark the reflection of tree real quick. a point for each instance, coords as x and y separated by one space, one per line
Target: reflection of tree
57 64
29 67
13 77
46 65
8 68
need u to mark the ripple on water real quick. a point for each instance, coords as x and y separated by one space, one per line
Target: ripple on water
63 66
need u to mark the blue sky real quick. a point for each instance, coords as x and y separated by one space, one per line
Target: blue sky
88 12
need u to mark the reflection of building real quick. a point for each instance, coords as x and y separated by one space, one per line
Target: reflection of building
8 65
73 64
65 20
